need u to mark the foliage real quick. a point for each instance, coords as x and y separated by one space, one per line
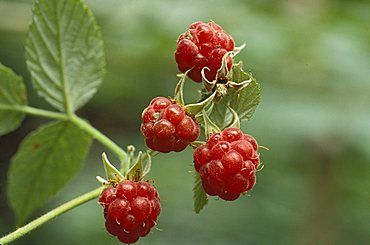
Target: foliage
303 73
43 164
64 53
12 94
65 57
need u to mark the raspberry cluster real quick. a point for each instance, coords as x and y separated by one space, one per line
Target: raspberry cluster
203 45
130 210
166 126
227 163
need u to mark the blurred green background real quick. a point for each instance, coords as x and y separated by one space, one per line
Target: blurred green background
312 59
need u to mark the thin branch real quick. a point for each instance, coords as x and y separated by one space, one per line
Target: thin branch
51 215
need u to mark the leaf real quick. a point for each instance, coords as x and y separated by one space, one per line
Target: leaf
240 101
196 108
148 164
179 90
64 52
221 115
209 126
45 161
12 94
245 101
199 195
224 116
238 75
235 123
110 171
135 173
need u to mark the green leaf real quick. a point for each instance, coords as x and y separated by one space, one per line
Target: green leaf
45 161
240 101
196 108
223 115
220 114
209 126
199 195
238 75
110 171
135 173
148 164
235 123
12 94
245 101
64 52
179 90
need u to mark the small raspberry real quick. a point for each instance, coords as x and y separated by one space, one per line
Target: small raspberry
166 126
130 210
227 163
203 45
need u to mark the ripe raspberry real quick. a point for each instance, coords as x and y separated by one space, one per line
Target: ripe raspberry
203 44
227 163
130 210
166 126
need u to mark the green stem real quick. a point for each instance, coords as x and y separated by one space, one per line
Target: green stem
35 111
121 154
51 215
84 125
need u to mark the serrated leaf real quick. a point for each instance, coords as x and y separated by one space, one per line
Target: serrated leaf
199 196
45 161
64 52
245 101
12 94
240 101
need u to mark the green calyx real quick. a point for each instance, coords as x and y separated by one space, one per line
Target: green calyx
138 167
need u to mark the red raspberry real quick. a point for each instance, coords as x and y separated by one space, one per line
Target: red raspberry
166 126
131 209
227 163
203 45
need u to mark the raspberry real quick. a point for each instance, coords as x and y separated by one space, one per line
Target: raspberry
203 45
130 210
166 126
227 163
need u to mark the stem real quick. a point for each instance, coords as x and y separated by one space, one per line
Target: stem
151 153
51 215
84 125
35 111
121 154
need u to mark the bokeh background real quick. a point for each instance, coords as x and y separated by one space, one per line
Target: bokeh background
312 59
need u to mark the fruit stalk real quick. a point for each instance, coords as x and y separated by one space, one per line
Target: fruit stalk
51 215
